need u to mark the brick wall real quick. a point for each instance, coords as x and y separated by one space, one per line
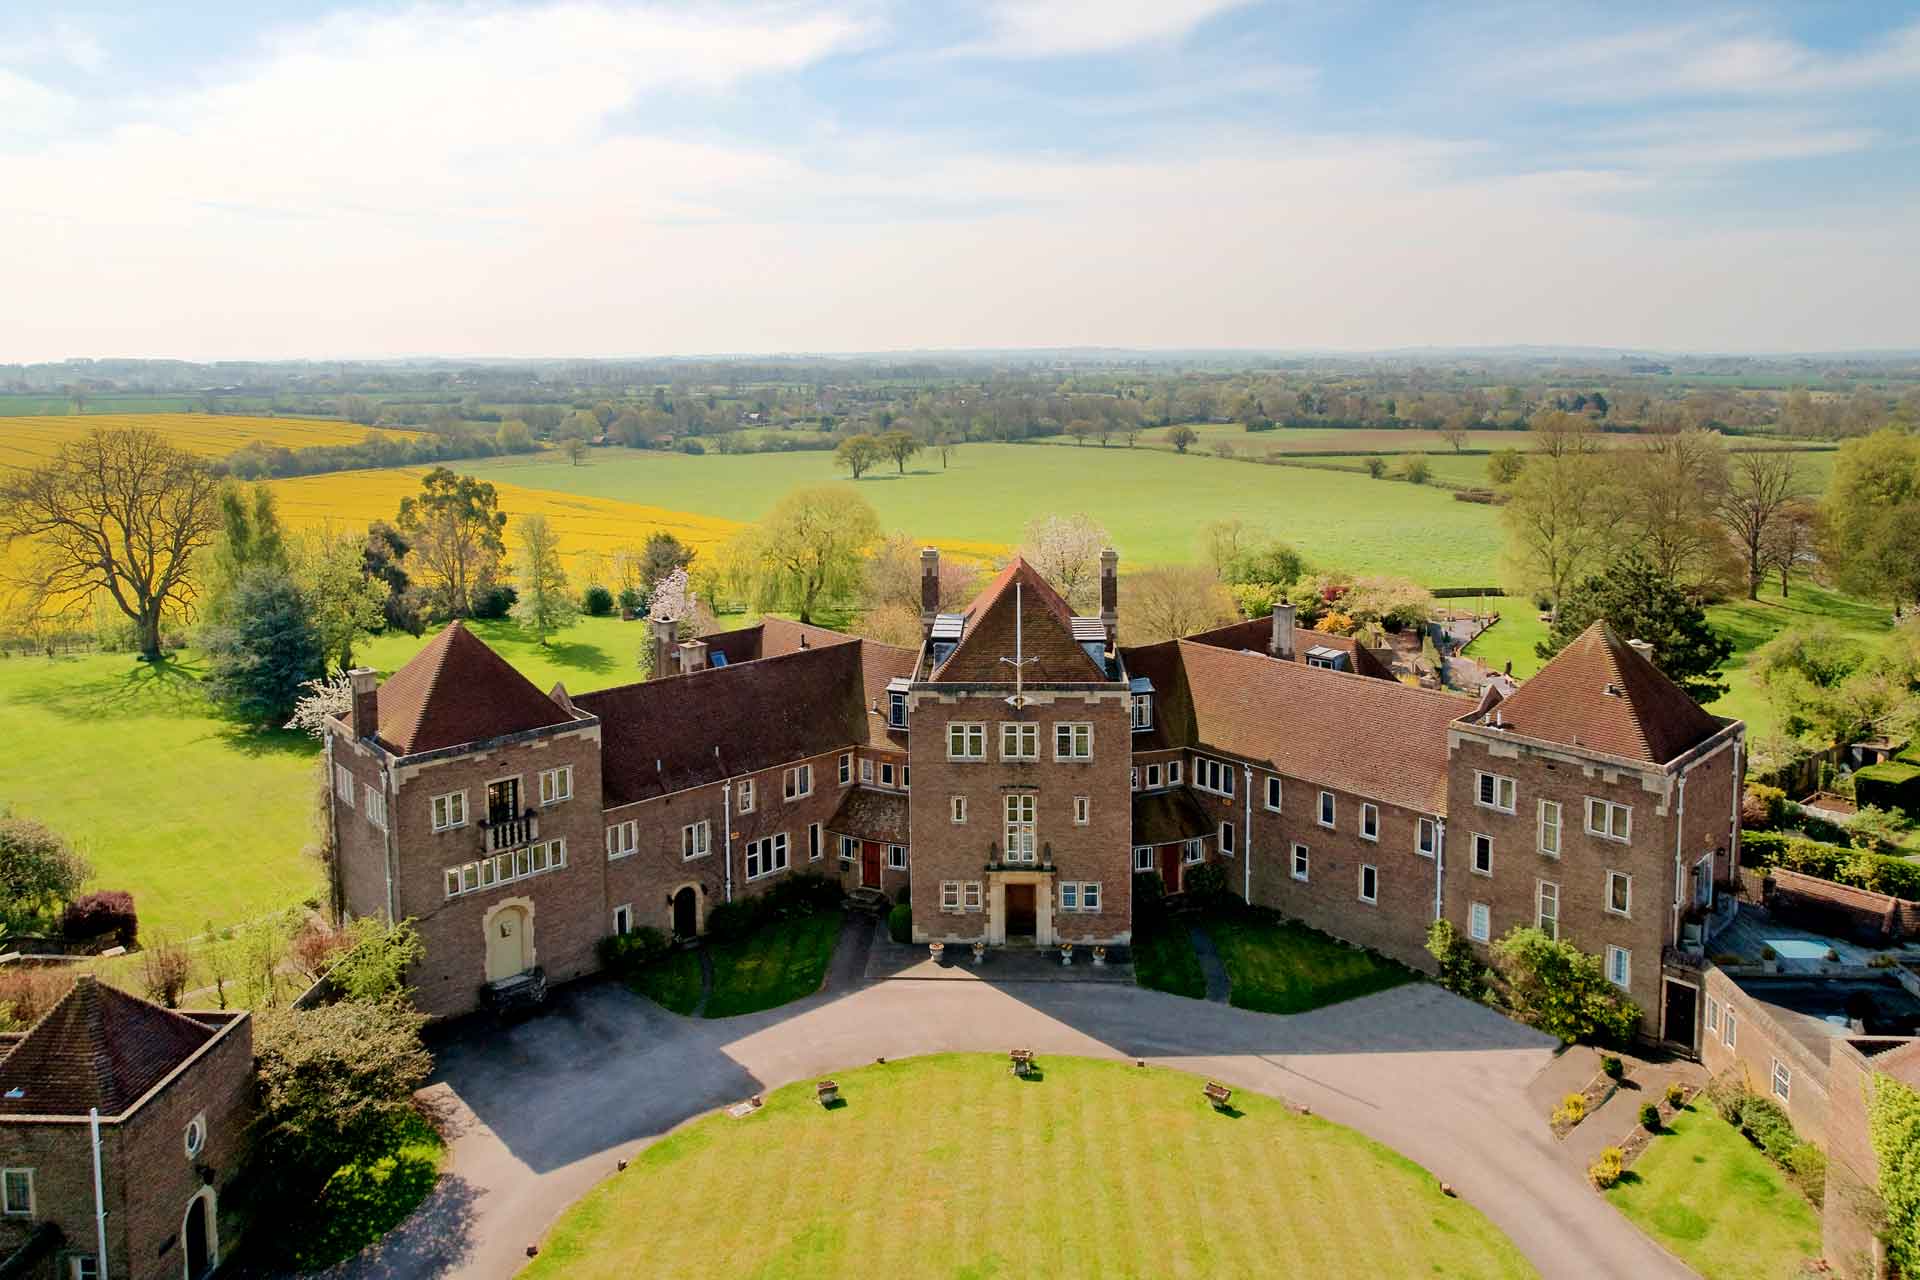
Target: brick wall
1842 908
1758 1042
1847 1218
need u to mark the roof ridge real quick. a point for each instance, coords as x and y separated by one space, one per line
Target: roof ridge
743 665
1287 663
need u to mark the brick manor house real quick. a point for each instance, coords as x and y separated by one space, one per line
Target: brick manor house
1014 771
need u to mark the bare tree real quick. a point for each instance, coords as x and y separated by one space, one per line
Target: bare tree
1790 540
1561 518
1066 551
1672 486
1179 600
1759 492
117 511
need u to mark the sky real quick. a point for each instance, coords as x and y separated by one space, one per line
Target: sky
275 179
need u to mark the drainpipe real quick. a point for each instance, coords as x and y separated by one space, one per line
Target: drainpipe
1246 843
99 1195
1679 874
1439 861
386 835
1733 838
726 825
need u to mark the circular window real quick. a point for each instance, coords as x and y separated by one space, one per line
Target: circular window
196 1135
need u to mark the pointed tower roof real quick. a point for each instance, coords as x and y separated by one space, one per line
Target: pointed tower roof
1046 634
97 1047
458 690
1599 694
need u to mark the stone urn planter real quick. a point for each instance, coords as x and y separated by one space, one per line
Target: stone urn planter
1066 953
936 950
827 1092
979 952
1100 955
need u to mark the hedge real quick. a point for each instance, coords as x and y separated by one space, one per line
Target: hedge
104 913
1893 1122
1875 872
1893 785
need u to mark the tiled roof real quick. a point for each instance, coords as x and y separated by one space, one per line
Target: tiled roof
769 638
1599 694
1376 738
458 690
1168 817
872 815
879 664
1046 625
689 730
1257 633
97 1047
1172 711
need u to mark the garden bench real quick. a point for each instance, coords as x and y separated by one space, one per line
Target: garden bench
1218 1094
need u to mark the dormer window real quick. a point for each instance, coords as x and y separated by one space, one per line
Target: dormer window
896 710
1142 711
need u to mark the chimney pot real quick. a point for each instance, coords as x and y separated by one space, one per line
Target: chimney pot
1110 595
364 718
663 632
929 589
1281 646
693 656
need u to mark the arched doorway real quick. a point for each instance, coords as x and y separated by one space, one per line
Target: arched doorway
509 942
197 1232
686 912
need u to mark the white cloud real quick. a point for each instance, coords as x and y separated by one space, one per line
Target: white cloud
1699 142
24 43
29 108
1045 28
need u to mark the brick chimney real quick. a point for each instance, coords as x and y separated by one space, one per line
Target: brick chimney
663 633
1110 595
929 589
1641 647
364 719
1281 646
693 655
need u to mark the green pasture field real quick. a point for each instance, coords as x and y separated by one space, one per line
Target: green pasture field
951 1166
16 404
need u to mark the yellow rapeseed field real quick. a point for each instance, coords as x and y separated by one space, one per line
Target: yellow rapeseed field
26 442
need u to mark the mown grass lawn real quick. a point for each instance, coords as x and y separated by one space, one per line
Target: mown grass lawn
672 982
1163 960
1706 1193
778 963
949 1166
1283 967
365 1200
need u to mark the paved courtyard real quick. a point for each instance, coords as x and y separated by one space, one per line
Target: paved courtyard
539 1112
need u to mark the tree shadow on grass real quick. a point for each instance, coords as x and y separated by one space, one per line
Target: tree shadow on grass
252 740
168 686
580 657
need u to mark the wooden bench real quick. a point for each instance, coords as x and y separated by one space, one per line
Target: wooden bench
1218 1094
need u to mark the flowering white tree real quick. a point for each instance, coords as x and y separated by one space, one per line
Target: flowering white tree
673 598
328 696
1066 551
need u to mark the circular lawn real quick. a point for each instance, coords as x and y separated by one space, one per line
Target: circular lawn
950 1166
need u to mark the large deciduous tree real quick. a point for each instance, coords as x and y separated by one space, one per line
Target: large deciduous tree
1673 484
856 453
545 602
1640 603
898 446
343 599
1066 551
1759 495
1562 512
811 546
455 527
39 871
1174 601
1871 517
893 578
122 512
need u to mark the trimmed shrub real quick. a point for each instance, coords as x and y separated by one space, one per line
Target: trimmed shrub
1149 899
1676 1095
1460 970
1612 1067
496 603
1205 885
105 914
900 923
1807 1165
1892 785
1728 1095
803 895
1893 1122
1607 1169
1874 872
1767 1127
598 602
1650 1116
1762 807
729 921
624 954
1572 1109
1555 986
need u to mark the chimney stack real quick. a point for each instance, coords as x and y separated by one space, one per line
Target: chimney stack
693 656
663 632
1641 647
1110 595
1281 646
929 589
364 719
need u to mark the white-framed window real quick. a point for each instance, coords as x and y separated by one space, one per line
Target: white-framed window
1493 791
1301 857
950 895
1212 775
623 919
1196 850
16 1192
556 784
1369 822
1273 792
745 791
767 856
515 864
1482 854
1082 810
813 842
846 768
971 897
194 1140
906 777
622 839
849 848
966 740
896 709
1729 1037
866 769
886 773
797 782
1713 1015
1143 857
343 784
1224 842
1550 828
1020 827
450 811
1782 1081
1142 711
1619 893
85 1266
957 810
1426 837
1073 740
1019 741
1325 816
696 839
1369 883
1619 966
1153 777
1080 895
1173 773
375 804
1479 922
1546 912
1133 778
897 857
1609 820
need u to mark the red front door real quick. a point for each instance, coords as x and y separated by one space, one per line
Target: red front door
869 864
1170 867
